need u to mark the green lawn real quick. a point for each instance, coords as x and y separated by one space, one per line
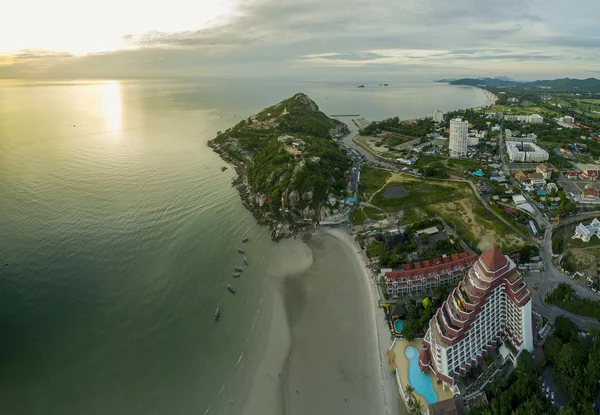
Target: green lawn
452 164
371 180
376 249
420 192
358 218
373 213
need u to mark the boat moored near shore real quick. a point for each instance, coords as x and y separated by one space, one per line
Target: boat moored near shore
240 251
230 288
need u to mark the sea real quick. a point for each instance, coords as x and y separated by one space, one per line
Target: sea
121 232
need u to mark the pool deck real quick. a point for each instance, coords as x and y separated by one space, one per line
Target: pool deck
402 364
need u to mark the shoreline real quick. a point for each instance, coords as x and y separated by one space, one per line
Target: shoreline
334 363
382 338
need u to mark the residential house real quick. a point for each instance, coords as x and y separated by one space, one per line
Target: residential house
585 232
545 170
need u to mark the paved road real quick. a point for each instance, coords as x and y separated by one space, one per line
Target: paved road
543 281
548 279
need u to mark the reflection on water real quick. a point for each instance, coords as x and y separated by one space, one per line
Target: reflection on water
110 96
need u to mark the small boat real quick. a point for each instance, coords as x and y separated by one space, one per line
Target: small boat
223 168
245 260
5 264
245 239
239 269
240 251
217 314
236 274
231 289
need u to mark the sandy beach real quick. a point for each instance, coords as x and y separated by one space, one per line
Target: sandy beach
334 364
324 351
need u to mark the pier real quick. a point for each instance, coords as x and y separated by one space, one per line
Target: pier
345 115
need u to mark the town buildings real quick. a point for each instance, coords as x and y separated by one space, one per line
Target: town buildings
535 119
427 275
585 232
438 116
545 170
568 119
589 194
458 142
525 152
491 305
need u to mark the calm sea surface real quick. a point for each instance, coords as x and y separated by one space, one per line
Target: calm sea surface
121 231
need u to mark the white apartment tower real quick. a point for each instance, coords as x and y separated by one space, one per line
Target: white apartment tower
458 142
438 116
491 304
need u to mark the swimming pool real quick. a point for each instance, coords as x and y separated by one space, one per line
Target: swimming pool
398 325
421 383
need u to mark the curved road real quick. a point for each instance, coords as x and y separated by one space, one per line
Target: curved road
543 281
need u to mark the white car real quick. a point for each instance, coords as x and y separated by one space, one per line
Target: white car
552 395
548 389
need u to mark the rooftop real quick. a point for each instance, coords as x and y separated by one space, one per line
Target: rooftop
493 259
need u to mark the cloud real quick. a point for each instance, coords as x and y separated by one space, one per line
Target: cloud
341 37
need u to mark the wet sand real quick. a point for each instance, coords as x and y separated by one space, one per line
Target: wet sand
333 363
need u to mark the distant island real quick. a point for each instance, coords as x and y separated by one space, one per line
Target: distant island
291 172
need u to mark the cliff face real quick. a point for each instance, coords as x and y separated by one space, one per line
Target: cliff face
288 164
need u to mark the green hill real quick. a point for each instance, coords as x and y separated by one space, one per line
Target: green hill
287 150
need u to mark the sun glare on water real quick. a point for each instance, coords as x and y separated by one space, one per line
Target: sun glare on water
110 104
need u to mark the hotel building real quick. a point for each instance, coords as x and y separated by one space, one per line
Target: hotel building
491 304
427 275
458 142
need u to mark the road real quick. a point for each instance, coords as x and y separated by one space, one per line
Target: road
543 281
548 279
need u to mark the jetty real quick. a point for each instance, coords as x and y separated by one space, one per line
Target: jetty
345 115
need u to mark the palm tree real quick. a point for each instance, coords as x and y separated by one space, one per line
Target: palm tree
416 409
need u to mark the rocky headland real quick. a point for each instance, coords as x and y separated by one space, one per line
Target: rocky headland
290 171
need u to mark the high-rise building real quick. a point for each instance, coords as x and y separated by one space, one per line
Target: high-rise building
438 116
458 142
490 305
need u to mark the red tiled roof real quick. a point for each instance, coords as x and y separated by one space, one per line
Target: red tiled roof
590 191
571 174
493 259
425 357
420 271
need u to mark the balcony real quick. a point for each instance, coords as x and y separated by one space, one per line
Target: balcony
448 320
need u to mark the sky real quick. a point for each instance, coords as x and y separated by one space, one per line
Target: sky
300 39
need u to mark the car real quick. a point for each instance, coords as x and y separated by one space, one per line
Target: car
547 395
552 395
543 385
548 389
552 400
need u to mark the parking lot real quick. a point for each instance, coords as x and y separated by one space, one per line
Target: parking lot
575 185
548 384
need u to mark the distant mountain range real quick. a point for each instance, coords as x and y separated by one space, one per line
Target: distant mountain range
497 78
564 83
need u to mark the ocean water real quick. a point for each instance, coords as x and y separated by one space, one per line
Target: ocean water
121 231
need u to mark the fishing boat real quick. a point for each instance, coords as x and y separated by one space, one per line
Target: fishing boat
245 239
231 289
5 264
240 251
236 274
245 260
217 314
239 269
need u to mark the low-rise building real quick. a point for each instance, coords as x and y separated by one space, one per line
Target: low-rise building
585 232
545 170
438 116
490 305
426 275
525 152
521 177
589 194
535 119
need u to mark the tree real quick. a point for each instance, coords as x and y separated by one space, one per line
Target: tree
525 363
416 408
410 329
565 329
427 303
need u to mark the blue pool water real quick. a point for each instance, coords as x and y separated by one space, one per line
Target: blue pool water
421 383
398 325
